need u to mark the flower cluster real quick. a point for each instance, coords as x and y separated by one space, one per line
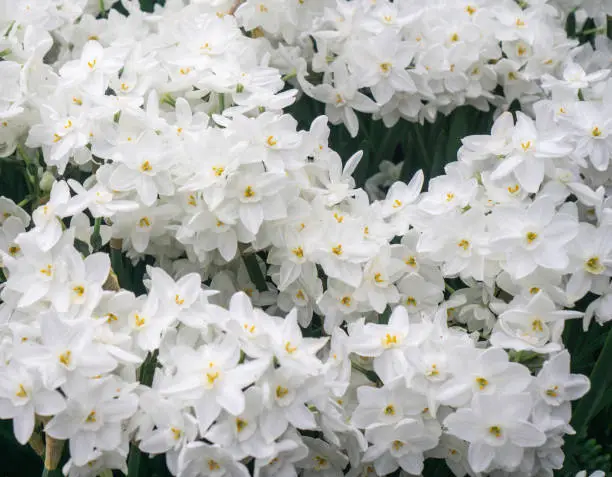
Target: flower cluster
415 60
291 323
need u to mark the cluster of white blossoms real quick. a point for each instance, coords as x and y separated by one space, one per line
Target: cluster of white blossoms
415 59
322 343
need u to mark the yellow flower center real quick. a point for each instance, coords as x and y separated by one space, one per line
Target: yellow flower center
176 433
14 250
21 392
531 237
144 222
389 340
593 265
346 300
213 465
385 67
91 417
596 132
482 383
281 392
495 431
433 371
240 424
390 410
464 244
537 325
249 192
146 166
139 321
48 270
337 250
271 141
290 349
65 358
526 145
298 252
212 377
552 391
321 462
411 301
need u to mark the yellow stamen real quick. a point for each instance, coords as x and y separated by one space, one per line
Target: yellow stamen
281 392
240 424
65 358
531 237
21 392
249 192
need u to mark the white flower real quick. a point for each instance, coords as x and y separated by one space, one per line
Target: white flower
497 429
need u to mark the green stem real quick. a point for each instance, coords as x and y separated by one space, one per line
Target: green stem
371 375
289 76
590 31
449 288
168 99
26 201
254 272
96 238
221 103
102 9
147 370
31 178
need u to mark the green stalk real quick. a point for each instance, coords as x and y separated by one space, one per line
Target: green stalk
96 238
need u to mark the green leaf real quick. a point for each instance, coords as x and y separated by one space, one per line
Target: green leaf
254 271
601 380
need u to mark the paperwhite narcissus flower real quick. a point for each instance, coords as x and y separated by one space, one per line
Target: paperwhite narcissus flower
92 419
497 429
22 396
212 379
533 325
555 384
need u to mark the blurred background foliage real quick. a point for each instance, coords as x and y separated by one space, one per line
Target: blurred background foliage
429 147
